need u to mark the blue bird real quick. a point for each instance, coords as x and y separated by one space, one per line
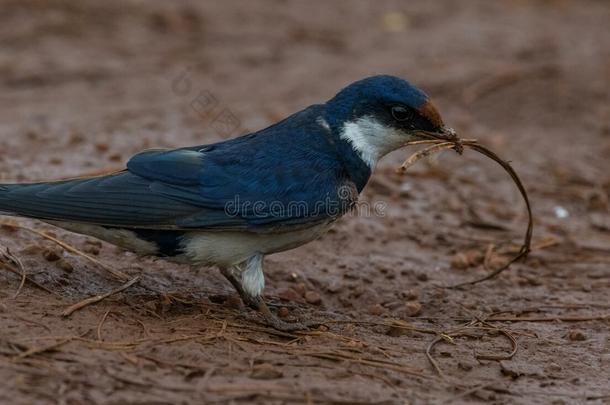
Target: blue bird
231 203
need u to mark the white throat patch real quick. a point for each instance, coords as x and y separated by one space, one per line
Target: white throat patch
371 139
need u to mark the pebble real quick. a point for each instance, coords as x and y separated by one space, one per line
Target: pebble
76 138
466 259
300 288
394 331
334 287
51 255
283 312
233 301
411 295
412 308
115 157
102 147
266 372
376 309
313 297
290 295
65 266
94 242
93 250
577 335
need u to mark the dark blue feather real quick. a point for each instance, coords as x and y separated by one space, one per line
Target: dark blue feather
249 182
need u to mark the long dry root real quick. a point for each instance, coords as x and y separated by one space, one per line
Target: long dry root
437 145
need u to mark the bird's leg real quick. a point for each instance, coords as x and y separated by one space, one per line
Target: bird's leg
249 281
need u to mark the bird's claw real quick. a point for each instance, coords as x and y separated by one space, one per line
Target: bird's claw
284 326
272 320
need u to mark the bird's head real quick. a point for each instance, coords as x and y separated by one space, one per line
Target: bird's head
379 114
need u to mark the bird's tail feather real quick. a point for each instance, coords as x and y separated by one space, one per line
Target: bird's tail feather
5 208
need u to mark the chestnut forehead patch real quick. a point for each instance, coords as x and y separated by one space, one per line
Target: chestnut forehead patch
429 111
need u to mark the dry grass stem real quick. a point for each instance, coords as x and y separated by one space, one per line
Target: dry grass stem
23 276
95 299
6 256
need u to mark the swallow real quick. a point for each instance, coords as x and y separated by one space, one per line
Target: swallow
231 203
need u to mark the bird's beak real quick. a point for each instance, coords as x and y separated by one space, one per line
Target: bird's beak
428 110
445 134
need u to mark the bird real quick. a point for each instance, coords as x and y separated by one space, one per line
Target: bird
231 203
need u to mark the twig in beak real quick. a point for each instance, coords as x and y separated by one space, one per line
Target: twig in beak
438 145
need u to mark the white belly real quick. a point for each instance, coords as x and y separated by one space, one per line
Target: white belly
230 248
219 248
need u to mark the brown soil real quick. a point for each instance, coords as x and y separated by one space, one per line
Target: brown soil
83 85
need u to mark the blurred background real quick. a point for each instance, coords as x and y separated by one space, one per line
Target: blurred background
86 84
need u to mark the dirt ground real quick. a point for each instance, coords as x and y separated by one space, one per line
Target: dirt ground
84 85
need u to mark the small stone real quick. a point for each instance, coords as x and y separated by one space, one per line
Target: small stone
396 331
115 157
290 295
93 250
334 287
233 301
51 255
465 366
283 312
265 372
94 242
534 281
376 310
497 261
65 266
459 261
577 335
466 259
300 288
411 295
355 344
412 308
76 138
313 297
553 368
509 371
102 147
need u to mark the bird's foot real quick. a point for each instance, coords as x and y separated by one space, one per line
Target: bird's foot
258 303
272 320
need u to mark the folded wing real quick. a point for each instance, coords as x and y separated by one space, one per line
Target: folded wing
240 184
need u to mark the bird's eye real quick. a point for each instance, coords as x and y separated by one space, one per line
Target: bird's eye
401 113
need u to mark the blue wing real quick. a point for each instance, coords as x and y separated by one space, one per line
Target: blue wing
287 174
